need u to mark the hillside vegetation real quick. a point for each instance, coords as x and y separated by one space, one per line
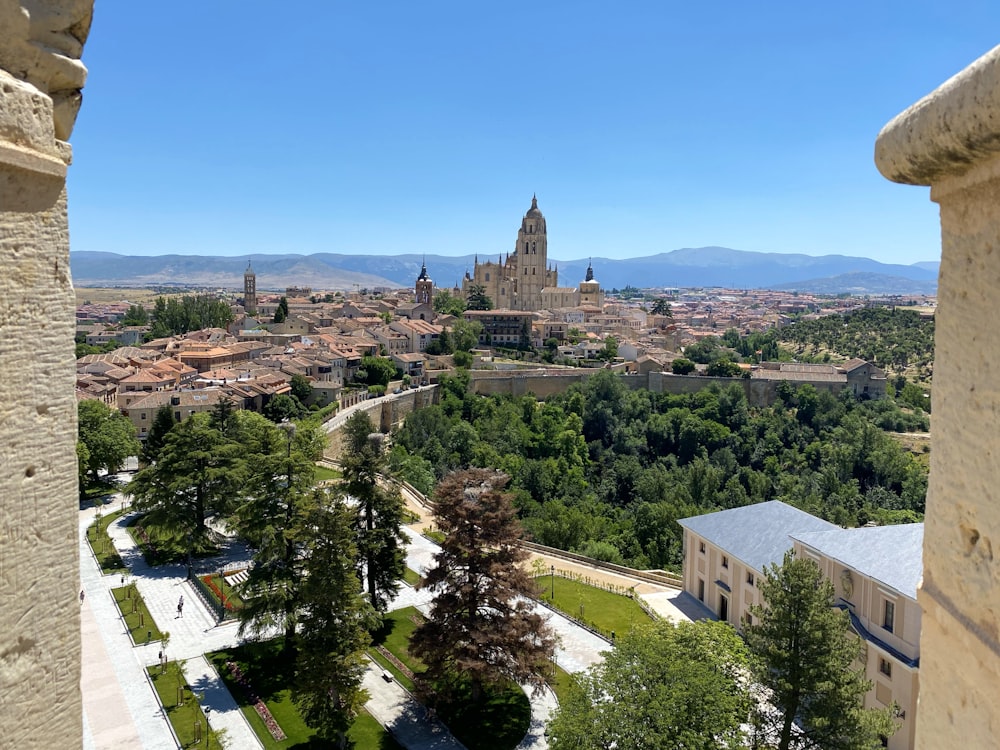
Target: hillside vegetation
606 471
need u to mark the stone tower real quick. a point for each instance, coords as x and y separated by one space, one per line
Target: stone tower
41 78
250 290
423 291
590 289
531 250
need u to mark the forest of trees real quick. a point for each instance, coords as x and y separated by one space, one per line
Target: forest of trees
606 471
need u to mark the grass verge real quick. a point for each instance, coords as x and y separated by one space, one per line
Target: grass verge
325 473
184 716
271 675
104 549
411 577
561 682
394 636
606 611
139 622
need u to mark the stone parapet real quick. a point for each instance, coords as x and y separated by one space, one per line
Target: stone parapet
950 140
40 80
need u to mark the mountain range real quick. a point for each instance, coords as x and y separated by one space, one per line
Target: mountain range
686 267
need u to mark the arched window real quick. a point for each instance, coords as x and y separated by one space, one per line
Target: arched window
532 248
531 228
525 246
487 275
503 291
532 271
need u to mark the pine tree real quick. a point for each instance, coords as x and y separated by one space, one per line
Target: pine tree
481 629
196 475
379 515
807 660
334 622
278 480
163 423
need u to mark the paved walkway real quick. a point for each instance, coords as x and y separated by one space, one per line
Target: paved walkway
122 710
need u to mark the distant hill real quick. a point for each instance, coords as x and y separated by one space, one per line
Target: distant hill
705 266
861 284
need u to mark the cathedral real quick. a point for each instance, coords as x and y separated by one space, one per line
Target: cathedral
524 280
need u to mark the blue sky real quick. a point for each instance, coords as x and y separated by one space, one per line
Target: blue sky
229 128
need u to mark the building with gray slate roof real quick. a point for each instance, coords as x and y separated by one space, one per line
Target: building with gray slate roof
875 572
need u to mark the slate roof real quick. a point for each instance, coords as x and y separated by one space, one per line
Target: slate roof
891 555
756 534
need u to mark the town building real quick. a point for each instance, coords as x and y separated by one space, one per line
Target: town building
875 572
250 291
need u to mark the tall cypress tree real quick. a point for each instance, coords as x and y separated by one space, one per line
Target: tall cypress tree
379 514
335 621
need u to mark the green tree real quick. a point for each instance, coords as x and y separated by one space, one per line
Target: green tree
477 299
163 423
481 626
807 659
379 519
301 389
445 304
682 366
196 475
283 407
108 435
662 307
280 473
136 315
465 334
663 686
723 368
335 622
281 311
376 371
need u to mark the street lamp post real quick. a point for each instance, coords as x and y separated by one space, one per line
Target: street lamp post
552 569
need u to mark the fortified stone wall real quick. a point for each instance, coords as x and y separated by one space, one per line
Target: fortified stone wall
386 413
950 140
40 81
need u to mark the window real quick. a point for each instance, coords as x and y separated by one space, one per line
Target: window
749 578
725 561
143 415
889 615
701 547
885 667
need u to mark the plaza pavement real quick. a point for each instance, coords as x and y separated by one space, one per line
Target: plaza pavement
122 710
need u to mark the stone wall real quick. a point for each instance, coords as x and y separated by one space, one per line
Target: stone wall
40 81
386 413
950 140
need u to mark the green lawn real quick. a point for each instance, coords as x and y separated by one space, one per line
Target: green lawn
560 682
412 577
101 544
395 637
325 473
271 674
182 717
137 617
608 612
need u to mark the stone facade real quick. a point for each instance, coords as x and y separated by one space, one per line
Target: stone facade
249 291
516 283
40 81
950 140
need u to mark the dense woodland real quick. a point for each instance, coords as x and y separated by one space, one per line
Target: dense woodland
606 471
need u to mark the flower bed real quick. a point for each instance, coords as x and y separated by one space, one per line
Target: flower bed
391 657
227 601
259 706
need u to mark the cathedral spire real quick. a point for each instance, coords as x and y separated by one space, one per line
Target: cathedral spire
590 270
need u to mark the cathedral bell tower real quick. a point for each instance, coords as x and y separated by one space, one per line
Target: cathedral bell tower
531 250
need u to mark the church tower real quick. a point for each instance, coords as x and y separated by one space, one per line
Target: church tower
423 290
250 290
531 251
